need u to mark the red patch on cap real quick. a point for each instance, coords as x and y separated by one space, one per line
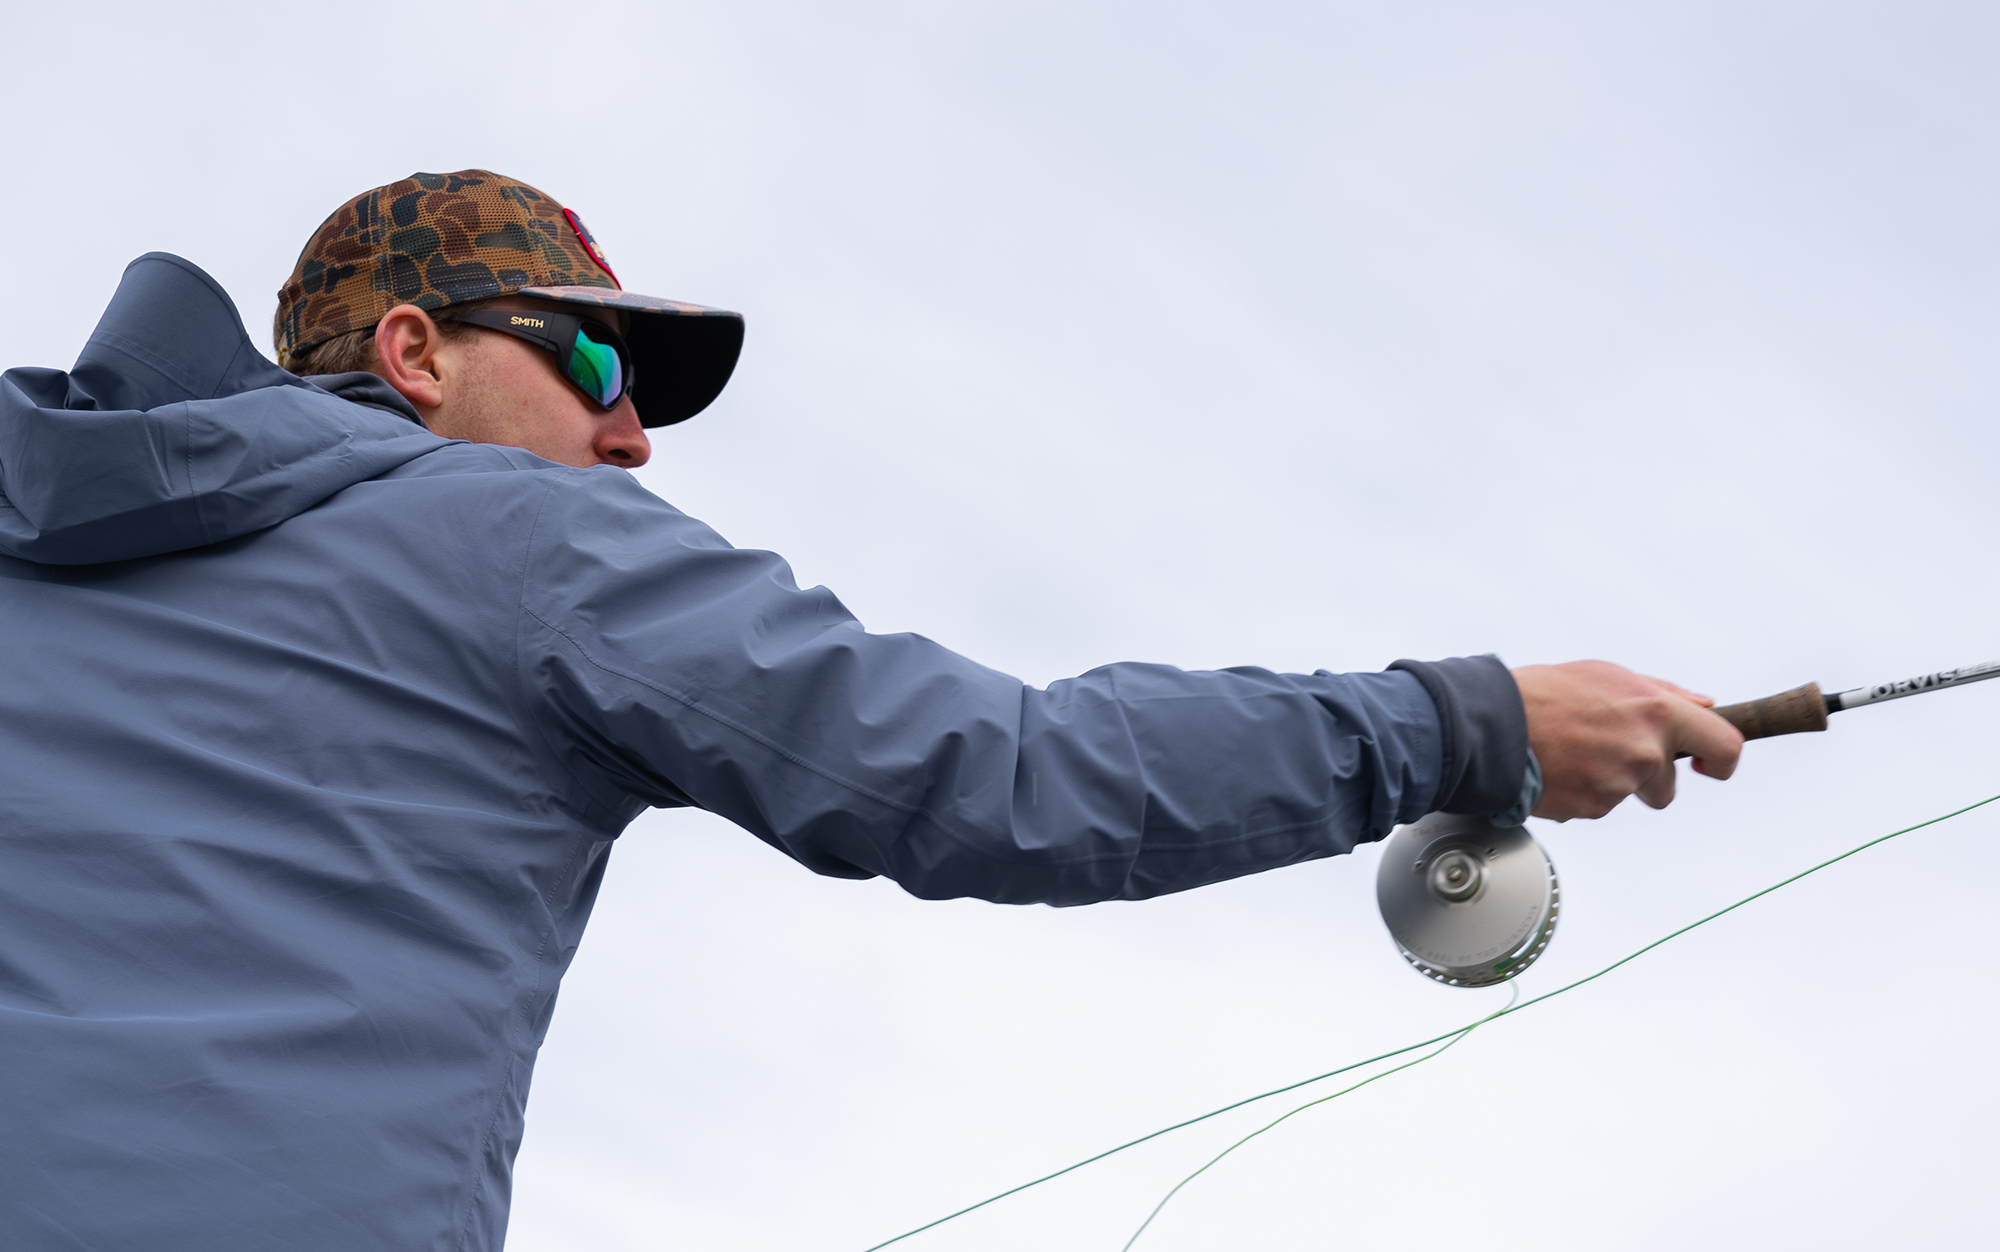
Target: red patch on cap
583 237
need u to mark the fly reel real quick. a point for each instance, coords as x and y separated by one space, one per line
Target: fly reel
1468 903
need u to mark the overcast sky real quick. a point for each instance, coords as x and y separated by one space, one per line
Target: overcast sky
1301 336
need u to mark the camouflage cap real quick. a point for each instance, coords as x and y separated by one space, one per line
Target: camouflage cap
436 240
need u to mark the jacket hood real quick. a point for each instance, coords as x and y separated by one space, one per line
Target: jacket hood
172 431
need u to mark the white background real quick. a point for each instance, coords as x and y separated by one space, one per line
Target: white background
1302 336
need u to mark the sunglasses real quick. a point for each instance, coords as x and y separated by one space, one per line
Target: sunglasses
591 355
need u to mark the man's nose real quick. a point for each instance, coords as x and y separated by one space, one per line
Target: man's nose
621 441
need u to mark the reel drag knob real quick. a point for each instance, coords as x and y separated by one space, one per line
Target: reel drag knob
1457 875
1468 903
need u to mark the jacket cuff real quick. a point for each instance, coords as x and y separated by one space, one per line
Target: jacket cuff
1483 732
1531 795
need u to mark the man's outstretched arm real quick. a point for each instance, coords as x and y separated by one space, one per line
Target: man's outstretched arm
668 667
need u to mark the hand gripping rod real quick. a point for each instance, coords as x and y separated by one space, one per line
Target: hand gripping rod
1806 708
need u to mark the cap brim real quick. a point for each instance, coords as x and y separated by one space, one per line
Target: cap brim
682 354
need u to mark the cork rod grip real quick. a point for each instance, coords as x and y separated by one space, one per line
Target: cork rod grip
1787 713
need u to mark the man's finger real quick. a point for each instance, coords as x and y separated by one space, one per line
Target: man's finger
1707 702
1658 791
1713 742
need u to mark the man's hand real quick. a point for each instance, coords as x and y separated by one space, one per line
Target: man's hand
1602 732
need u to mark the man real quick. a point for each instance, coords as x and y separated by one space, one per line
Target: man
326 699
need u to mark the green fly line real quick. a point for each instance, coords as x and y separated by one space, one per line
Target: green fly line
1217 1158
1447 1039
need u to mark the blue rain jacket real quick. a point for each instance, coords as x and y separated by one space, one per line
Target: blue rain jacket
316 730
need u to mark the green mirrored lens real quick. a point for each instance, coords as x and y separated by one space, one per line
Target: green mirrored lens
595 367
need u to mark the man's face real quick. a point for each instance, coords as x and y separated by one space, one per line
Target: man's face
488 387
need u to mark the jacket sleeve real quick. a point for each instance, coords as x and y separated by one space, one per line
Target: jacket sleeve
664 667
1484 766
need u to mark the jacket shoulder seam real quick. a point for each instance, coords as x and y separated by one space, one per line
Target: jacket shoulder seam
529 726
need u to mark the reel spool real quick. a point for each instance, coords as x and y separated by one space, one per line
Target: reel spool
1468 903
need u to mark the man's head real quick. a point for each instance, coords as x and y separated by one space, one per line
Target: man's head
486 386
386 281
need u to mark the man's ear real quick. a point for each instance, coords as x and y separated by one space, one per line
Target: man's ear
407 346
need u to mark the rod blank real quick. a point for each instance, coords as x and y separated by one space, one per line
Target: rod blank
1911 686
